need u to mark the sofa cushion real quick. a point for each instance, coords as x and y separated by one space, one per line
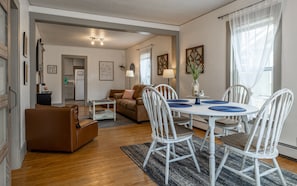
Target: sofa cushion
86 122
128 94
115 91
127 103
118 95
138 91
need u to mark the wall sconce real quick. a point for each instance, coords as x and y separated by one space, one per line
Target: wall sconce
168 73
122 67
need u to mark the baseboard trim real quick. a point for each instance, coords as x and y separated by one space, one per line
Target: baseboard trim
287 150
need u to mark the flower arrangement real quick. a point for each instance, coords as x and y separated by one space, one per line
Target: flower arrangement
196 69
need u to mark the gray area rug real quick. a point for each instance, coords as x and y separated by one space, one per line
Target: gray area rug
120 121
184 172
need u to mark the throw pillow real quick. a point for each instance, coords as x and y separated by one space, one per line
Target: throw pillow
128 94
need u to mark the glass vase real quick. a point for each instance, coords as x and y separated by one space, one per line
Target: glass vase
195 88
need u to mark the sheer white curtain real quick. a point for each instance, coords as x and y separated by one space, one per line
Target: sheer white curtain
145 66
252 38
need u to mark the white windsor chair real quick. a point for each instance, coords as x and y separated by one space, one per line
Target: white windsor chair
164 131
237 94
262 141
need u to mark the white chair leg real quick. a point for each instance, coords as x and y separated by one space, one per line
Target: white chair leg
167 163
173 150
193 155
243 162
204 139
279 171
151 149
192 142
223 161
257 172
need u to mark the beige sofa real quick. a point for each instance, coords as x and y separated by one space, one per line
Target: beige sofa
132 108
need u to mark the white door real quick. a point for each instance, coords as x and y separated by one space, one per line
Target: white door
4 112
79 84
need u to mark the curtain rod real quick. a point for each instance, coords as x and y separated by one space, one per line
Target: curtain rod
150 45
221 17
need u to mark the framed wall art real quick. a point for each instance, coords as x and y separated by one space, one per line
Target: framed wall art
162 61
25 44
52 69
26 72
195 54
106 70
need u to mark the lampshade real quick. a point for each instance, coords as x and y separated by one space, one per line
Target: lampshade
129 73
168 73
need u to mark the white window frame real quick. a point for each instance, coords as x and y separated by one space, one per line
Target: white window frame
145 59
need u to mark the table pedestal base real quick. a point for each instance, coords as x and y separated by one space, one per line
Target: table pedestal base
197 101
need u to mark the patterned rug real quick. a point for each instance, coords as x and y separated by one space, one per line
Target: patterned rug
184 172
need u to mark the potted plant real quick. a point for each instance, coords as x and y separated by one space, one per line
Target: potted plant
196 69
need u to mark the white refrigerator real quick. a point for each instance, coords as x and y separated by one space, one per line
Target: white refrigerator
79 75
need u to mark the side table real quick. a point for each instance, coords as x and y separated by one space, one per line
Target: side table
105 113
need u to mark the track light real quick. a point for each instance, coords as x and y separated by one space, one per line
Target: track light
93 39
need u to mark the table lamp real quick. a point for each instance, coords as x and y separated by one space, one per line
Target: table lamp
168 73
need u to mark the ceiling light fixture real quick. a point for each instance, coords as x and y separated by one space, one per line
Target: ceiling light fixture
93 39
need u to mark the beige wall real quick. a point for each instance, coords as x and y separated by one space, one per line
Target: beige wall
96 89
160 45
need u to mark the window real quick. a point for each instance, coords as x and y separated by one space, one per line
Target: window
269 81
255 53
145 66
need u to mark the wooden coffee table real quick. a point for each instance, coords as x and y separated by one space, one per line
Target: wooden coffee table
104 113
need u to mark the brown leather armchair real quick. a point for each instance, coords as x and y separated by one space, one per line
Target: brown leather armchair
51 128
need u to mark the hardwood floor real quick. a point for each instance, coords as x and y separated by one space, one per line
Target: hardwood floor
100 162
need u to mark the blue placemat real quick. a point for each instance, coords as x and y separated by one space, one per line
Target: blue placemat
180 105
215 102
227 108
177 100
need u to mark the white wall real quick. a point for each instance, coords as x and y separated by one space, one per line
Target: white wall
96 89
160 45
24 89
210 31
289 66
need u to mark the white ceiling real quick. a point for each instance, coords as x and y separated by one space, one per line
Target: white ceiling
170 12
66 35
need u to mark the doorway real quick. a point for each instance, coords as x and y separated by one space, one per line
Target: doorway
74 79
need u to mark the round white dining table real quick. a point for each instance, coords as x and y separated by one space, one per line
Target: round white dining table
212 115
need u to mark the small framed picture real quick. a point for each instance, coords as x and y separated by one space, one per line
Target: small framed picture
106 70
26 72
25 45
162 63
52 69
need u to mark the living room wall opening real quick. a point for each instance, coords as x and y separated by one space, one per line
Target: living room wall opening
64 20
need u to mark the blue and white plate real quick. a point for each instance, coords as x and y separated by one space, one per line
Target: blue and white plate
177 100
227 108
214 102
179 105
